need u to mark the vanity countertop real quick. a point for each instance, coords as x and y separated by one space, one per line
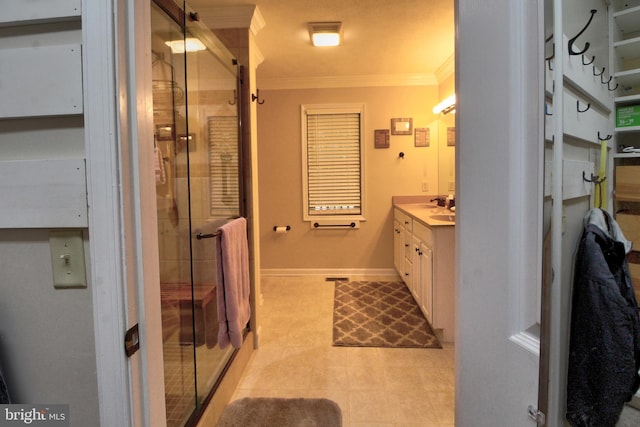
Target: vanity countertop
428 213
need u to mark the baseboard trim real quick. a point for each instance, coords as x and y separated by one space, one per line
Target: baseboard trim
352 273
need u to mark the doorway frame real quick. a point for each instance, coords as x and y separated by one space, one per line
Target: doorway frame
117 93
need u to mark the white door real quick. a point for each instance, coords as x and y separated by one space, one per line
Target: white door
499 204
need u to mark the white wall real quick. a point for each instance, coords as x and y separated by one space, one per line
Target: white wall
46 335
47 345
386 175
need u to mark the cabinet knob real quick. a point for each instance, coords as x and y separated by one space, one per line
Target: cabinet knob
406 245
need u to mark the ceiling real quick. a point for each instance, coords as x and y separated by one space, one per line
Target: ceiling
385 40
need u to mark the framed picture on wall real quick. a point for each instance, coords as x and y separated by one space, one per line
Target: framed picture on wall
451 136
402 126
421 137
381 138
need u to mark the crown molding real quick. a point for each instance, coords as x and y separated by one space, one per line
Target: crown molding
241 16
347 81
446 70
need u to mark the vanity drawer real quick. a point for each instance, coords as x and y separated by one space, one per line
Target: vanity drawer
407 244
398 215
408 223
423 233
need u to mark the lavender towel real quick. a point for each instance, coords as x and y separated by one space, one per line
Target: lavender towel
233 287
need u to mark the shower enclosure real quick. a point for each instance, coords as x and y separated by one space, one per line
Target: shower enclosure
198 188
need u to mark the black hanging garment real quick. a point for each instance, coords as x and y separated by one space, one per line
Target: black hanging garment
4 393
604 348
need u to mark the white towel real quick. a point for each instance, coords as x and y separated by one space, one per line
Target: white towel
161 177
233 287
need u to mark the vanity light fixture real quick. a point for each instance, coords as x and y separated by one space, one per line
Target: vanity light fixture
325 33
191 44
447 106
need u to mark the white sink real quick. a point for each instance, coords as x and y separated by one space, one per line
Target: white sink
444 217
424 206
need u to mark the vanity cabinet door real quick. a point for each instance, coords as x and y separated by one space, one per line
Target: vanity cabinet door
408 257
398 247
407 275
426 281
422 277
416 289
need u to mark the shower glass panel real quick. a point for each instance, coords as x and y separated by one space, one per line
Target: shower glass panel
198 189
211 142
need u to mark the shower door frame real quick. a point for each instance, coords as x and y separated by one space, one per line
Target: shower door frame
183 18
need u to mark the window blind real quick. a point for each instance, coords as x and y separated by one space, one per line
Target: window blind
223 166
333 164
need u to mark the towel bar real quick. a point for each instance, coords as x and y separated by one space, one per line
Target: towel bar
316 225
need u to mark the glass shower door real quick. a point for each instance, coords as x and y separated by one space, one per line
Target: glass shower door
169 116
212 147
197 189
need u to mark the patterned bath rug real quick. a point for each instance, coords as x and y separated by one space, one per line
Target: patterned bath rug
379 314
271 412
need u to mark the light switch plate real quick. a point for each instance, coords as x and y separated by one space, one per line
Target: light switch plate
67 259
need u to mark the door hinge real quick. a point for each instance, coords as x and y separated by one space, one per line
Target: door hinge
132 340
536 415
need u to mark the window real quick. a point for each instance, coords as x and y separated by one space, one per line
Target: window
332 154
223 166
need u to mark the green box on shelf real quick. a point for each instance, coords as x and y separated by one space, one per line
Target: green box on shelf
628 116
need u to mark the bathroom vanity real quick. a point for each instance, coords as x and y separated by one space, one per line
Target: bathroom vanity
423 255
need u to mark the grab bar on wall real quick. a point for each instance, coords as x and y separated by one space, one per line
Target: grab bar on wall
316 225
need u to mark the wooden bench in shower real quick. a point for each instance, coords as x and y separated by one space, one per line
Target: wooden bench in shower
205 312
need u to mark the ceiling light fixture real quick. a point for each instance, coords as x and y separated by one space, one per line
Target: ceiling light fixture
447 106
191 44
325 33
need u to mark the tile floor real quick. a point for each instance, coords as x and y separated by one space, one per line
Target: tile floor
373 386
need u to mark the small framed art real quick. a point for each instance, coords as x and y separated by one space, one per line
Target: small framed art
422 137
402 126
451 136
381 138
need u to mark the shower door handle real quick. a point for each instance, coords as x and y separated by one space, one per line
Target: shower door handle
201 236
